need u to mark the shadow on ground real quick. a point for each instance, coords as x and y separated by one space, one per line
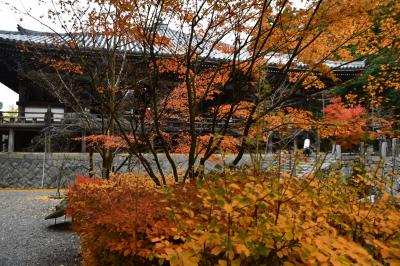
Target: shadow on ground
61 227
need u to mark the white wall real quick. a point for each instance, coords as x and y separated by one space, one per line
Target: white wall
38 113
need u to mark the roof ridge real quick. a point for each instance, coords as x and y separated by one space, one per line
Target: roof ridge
178 37
25 31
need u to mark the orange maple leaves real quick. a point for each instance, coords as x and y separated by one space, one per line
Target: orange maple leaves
289 118
237 217
64 65
110 141
308 80
345 124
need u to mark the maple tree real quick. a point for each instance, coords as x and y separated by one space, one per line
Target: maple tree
216 76
211 69
205 87
347 125
378 91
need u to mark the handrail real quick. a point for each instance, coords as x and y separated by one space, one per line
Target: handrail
43 120
9 112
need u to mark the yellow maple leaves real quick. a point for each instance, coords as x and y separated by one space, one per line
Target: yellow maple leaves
238 218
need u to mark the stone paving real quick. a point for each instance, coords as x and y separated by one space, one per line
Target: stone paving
26 238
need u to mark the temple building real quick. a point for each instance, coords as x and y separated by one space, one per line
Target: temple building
38 108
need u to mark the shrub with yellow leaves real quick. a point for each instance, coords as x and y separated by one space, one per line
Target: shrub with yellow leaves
240 218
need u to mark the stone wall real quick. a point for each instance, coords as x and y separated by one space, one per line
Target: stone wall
29 170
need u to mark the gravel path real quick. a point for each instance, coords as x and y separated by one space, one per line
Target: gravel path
26 238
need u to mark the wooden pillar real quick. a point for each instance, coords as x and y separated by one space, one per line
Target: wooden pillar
11 136
48 116
21 111
22 97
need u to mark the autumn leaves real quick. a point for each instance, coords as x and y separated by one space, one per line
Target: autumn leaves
238 218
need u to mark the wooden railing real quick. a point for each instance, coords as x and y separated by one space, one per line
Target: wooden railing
30 118
45 119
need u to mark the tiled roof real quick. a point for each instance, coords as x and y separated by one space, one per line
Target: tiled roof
281 59
55 40
344 65
177 39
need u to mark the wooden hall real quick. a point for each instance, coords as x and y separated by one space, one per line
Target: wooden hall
20 70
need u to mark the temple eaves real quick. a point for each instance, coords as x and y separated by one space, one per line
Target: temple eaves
177 39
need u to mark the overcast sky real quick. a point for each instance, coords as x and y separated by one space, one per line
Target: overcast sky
8 21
